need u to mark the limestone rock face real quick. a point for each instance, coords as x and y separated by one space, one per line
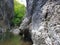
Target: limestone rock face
45 21
6 13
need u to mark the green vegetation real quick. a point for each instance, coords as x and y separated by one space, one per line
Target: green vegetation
19 12
15 40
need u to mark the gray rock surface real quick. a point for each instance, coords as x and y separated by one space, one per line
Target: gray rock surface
15 31
6 13
44 17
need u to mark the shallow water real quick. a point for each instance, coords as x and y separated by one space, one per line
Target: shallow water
15 41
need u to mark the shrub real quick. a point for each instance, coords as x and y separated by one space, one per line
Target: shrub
19 12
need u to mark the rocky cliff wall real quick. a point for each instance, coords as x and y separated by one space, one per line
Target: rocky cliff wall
44 18
6 13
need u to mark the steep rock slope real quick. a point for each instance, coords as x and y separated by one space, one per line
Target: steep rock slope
44 17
